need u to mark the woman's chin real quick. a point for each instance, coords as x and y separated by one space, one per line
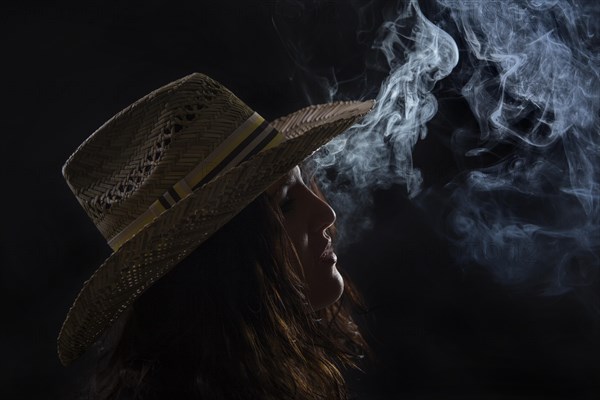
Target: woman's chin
328 292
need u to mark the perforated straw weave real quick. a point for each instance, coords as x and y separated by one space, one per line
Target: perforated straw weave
132 177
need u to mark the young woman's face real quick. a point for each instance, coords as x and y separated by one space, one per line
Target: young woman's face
306 218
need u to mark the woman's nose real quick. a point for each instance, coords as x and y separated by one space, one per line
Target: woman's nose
324 214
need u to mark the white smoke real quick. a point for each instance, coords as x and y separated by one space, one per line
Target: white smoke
534 84
530 75
378 153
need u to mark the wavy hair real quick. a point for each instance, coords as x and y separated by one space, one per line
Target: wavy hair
232 321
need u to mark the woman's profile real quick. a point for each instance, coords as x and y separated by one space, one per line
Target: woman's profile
223 282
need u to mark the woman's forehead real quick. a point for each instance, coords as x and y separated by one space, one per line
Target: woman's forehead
293 175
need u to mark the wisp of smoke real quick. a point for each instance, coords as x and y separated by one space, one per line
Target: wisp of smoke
378 152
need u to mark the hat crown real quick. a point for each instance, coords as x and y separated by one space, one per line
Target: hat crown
141 152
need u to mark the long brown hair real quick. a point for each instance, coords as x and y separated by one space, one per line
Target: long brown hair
232 321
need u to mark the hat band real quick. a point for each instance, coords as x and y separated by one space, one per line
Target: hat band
252 136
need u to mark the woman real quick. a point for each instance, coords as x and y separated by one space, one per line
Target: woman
223 281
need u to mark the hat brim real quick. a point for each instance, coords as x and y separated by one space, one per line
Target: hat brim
163 243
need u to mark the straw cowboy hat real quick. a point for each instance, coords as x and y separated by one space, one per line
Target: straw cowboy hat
164 174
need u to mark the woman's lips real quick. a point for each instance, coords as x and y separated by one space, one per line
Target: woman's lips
328 257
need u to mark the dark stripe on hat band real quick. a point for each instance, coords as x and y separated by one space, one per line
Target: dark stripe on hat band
262 144
244 144
174 194
164 202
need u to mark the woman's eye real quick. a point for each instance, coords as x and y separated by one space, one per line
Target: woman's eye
286 204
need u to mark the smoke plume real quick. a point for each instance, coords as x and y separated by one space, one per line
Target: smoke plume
529 72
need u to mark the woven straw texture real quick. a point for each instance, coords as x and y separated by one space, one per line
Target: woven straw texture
119 171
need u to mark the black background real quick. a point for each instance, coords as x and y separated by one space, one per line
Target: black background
438 330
